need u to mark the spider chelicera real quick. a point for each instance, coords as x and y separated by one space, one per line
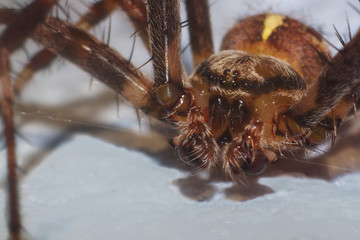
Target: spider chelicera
273 86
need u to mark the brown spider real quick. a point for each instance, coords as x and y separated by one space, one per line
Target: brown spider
271 88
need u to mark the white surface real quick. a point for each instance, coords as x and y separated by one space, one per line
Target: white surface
86 186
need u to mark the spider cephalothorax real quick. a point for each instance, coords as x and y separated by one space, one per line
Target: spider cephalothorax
238 96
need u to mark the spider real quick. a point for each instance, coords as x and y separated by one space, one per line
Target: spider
241 107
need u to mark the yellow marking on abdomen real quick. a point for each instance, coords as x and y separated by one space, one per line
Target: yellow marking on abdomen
271 22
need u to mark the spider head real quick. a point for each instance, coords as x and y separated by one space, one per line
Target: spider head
233 118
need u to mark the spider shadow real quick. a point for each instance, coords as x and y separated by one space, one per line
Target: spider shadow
338 161
195 186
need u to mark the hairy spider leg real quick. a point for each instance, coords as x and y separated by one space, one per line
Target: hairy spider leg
21 27
165 30
98 59
11 39
14 224
135 10
201 41
336 90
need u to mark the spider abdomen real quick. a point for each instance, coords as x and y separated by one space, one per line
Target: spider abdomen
282 37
